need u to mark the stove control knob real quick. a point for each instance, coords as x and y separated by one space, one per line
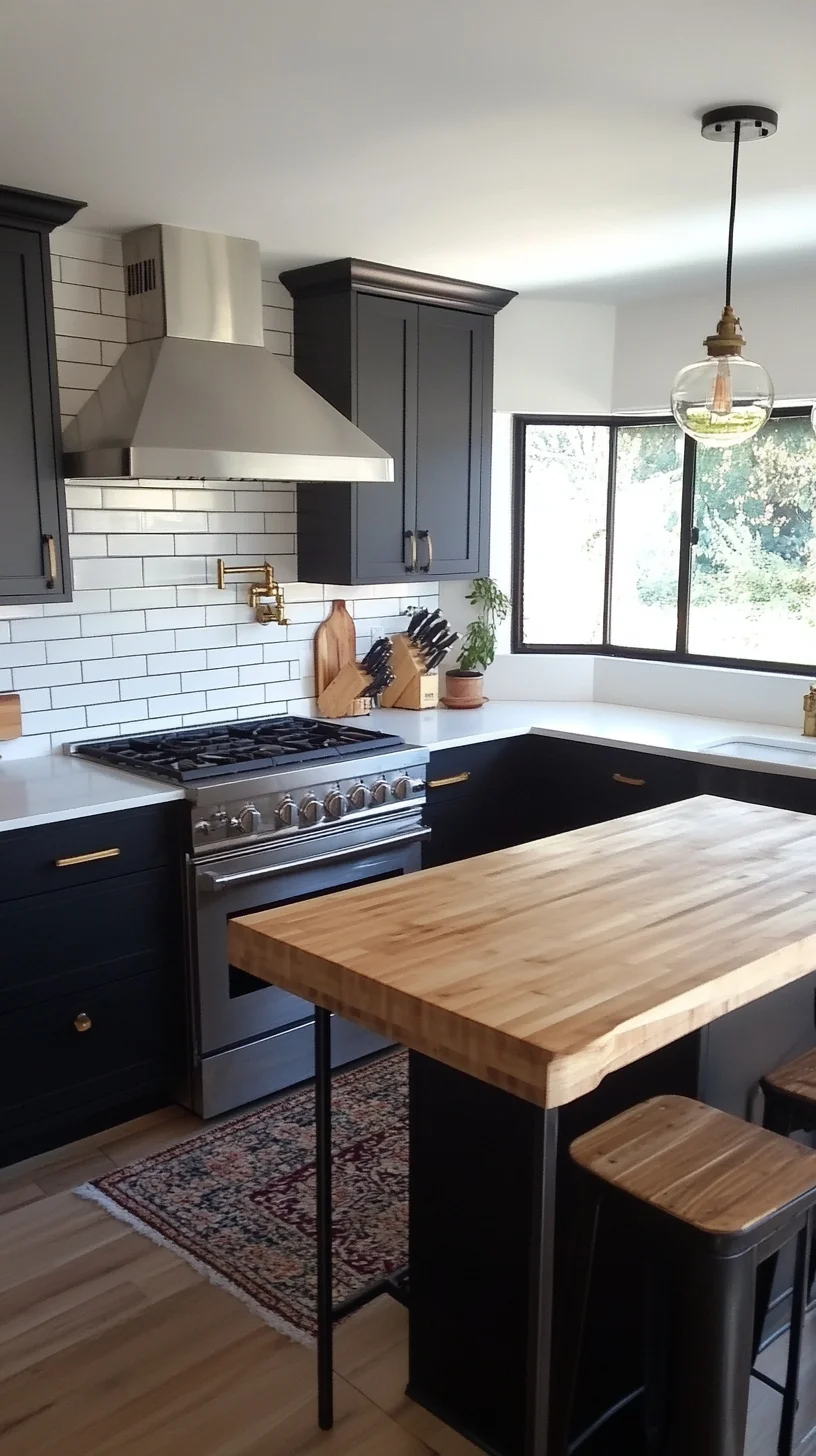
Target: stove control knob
359 797
287 813
401 787
336 804
311 810
202 827
249 819
379 793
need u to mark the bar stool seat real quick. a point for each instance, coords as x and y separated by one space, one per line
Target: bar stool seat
790 1095
708 1197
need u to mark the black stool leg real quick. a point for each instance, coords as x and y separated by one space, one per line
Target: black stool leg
570 1336
325 1380
711 1370
776 1118
789 1400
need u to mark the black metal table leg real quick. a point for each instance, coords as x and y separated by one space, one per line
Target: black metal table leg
539 1355
325 1320
789 1400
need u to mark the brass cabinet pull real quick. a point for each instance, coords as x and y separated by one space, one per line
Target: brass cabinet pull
51 552
428 539
83 1022
78 859
410 536
633 783
461 778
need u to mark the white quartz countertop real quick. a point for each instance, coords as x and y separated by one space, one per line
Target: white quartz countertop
46 789
757 746
53 787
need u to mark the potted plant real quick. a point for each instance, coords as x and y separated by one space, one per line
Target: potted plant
464 685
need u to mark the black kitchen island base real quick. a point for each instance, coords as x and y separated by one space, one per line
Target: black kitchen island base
492 1212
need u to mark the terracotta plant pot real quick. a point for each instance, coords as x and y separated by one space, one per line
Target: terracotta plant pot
463 689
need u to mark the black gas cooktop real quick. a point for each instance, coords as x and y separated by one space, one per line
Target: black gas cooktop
220 751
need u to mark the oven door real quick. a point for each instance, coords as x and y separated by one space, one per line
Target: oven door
231 1006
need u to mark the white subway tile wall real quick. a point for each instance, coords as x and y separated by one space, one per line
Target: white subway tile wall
149 641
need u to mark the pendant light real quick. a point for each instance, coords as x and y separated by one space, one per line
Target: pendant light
724 399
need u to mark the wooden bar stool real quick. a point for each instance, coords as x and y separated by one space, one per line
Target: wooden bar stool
790 1106
707 1197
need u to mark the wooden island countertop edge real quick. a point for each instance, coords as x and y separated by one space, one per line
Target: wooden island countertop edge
715 912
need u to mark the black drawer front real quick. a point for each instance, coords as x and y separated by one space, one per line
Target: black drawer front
33 861
49 1062
779 791
473 768
86 935
589 783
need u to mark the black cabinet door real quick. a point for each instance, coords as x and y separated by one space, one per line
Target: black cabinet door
453 440
385 407
33 545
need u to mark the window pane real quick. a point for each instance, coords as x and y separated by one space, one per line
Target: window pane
566 475
753 583
646 543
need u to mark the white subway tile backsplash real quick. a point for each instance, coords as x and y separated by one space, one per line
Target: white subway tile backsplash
178 570
48 675
265 672
41 629
79 351
170 618
221 677
149 641
112 571
126 598
79 649
110 669
92 274
150 687
22 654
100 624
118 713
84 325
81 695
188 639
76 296
133 498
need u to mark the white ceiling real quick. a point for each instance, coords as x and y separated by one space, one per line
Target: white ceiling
514 142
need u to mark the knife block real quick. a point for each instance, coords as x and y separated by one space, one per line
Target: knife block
341 698
412 687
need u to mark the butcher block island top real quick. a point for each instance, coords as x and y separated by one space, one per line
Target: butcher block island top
541 968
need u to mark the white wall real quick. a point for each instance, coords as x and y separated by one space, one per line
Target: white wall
554 357
148 640
655 337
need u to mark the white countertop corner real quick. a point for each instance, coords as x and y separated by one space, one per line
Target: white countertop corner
56 786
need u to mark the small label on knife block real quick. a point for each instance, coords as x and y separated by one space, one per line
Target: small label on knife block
411 688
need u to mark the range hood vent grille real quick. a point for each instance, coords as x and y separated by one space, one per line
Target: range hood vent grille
141 277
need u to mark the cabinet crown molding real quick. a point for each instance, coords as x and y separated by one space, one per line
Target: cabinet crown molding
344 275
18 204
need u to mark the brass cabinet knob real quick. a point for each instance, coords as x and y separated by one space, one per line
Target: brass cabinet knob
83 1022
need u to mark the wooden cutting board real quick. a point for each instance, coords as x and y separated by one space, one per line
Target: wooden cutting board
11 722
335 645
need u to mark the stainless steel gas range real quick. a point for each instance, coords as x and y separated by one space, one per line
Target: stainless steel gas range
280 810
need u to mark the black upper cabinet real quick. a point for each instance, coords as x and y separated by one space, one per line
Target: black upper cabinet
34 563
408 358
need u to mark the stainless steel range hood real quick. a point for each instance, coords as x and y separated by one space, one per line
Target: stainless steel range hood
196 395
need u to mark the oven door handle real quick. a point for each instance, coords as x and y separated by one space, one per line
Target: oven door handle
334 856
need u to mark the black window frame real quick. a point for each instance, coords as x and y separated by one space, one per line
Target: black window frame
605 648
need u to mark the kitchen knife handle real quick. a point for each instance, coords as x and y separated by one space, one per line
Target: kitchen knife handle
410 536
428 539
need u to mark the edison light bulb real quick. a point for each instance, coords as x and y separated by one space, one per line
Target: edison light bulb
722 401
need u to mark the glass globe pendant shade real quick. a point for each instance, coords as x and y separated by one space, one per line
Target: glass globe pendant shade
722 401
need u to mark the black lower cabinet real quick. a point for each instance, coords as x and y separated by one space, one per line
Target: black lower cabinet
588 783
481 797
91 979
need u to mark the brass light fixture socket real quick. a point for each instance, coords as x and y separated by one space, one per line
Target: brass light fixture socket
727 342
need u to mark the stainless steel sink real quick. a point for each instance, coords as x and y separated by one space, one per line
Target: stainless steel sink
799 752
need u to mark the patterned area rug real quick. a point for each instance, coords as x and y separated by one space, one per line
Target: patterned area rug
238 1201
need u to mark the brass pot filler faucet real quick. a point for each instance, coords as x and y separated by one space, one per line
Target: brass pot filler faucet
265 598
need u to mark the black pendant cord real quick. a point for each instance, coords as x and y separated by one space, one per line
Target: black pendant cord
732 214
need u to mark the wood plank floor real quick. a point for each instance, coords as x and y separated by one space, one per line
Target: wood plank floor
110 1346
